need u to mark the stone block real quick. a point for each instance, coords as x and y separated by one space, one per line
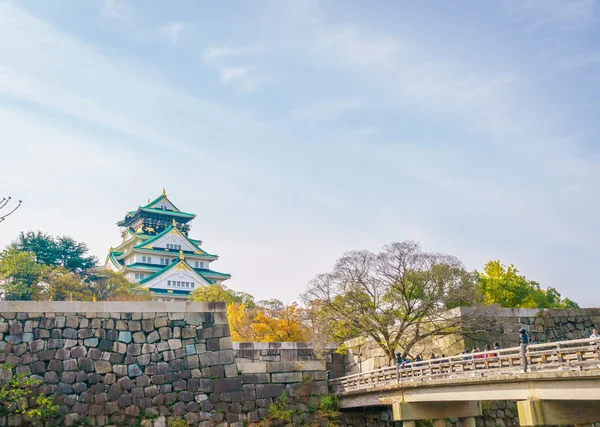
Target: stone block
281 366
165 333
224 357
70 365
227 385
91 342
174 344
102 366
78 351
252 368
225 343
286 377
310 365
153 337
256 378
125 337
134 370
231 371
269 390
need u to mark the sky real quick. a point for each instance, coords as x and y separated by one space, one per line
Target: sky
299 129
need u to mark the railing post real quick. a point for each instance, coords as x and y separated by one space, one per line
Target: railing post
524 340
398 363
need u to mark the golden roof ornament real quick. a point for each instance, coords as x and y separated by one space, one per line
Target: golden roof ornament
164 193
174 223
181 257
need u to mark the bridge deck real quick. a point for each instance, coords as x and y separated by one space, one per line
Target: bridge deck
566 370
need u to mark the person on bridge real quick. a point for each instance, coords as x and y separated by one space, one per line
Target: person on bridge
595 333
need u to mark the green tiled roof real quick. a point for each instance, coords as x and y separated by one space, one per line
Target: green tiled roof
166 212
198 271
165 231
170 291
154 238
158 199
159 272
113 257
211 273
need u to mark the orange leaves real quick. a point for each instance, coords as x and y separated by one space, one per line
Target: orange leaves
267 325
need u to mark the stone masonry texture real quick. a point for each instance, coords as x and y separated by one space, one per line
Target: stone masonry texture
118 367
153 363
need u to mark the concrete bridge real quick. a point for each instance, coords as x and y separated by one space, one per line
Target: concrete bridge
554 384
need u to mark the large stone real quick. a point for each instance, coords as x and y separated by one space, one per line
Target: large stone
286 377
91 342
227 385
125 337
269 390
153 337
79 351
174 344
102 366
134 370
224 357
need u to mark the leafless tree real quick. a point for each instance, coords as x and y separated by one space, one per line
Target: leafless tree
398 297
3 205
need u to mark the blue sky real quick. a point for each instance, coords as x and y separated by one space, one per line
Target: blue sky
299 129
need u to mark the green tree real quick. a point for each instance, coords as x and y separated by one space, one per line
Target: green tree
21 277
221 293
58 251
503 285
397 297
108 285
64 285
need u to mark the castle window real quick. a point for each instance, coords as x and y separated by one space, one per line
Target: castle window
149 260
143 259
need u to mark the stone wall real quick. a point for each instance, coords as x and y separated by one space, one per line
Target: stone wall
502 326
131 363
542 325
327 358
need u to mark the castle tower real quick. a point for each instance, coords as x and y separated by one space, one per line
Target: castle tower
157 252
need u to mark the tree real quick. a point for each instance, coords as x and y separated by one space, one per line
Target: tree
397 297
240 322
273 322
58 251
108 285
504 286
221 293
283 324
21 277
64 285
3 205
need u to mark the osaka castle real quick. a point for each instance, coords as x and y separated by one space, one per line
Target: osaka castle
157 252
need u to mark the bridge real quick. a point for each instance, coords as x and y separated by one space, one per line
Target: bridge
554 383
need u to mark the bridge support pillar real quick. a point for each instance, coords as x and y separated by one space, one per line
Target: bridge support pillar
469 422
439 422
534 413
415 411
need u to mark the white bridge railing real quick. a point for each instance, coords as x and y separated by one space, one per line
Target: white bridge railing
581 354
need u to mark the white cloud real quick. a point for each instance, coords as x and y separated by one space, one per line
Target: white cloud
216 52
224 60
173 31
115 9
